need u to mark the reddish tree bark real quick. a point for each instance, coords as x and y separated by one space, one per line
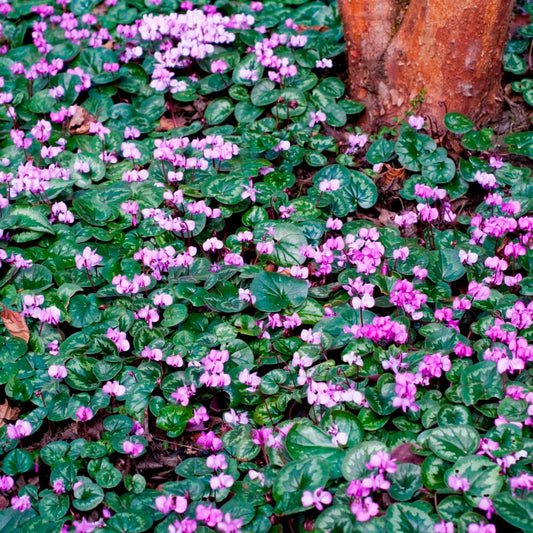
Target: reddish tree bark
452 49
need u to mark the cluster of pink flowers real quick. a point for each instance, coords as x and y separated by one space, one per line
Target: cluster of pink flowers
281 68
382 329
119 338
31 306
213 364
124 286
362 505
184 37
33 179
408 298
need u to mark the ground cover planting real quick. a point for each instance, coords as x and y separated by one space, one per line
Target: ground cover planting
228 308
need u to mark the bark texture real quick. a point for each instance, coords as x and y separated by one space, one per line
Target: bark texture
452 49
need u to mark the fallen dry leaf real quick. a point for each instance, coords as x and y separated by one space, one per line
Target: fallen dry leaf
15 323
386 217
320 28
79 123
390 176
166 124
8 413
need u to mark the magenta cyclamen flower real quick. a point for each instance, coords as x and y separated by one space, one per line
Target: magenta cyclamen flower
119 338
50 315
416 122
329 185
88 259
443 527
383 462
6 483
132 448
481 528
114 388
57 371
318 498
59 487
219 66
365 509
21 503
210 515
458 483
356 141
251 379
209 441
167 504
20 429
221 481
84 413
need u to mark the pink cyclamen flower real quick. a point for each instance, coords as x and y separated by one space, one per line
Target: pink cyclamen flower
132 448
119 338
83 526
481 528
210 515
59 487
163 299
219 66
20 429
383 462
57 371
356 141
329 185
114 388
495 162
131 208
6 483
323 63
221 481
468 258
84 413
317 498
21 503
458 483
486 180
88 259
317 118
265 247
229 524
443 527
50 315
365 509
416 122
167 504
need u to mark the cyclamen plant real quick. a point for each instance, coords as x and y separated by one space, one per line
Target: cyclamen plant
224 333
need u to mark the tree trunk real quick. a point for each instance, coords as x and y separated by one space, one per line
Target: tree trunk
450 49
